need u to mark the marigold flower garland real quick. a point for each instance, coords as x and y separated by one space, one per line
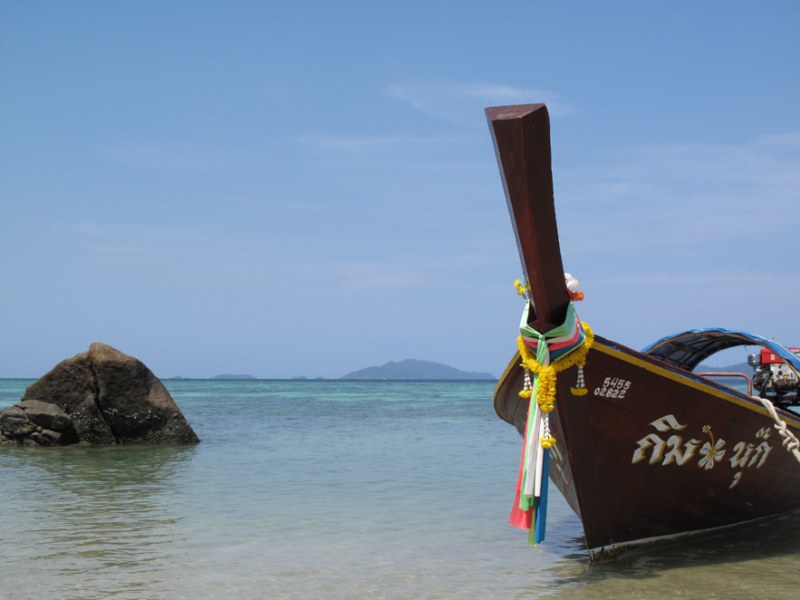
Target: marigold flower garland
546 390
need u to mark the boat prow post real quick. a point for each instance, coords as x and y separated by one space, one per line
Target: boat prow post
521 135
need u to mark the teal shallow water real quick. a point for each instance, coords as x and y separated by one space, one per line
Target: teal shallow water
329 489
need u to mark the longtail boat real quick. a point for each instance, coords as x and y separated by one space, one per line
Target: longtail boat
642 448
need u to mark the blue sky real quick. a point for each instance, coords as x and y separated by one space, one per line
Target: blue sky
309 188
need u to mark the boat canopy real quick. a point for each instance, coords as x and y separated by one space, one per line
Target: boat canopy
689 348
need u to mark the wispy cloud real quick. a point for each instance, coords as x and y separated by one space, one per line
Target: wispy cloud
375 142
789 140
376 277
157 256
727 279
172 157
406 159
699 234
128 250
686 196
96 230
463 103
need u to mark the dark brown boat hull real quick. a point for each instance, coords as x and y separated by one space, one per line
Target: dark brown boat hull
653 452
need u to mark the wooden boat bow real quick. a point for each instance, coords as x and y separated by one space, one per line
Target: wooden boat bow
521 136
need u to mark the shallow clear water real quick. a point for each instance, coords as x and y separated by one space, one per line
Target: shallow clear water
330 489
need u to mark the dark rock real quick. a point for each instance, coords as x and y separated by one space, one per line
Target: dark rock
72 386
45 437
15 425
45 415
99 397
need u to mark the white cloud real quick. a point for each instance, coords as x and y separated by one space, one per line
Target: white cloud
171 157
463 103
695 234
129 254
728 279
359 161
126 250
375 142
376 277
690 196
788 140
95 230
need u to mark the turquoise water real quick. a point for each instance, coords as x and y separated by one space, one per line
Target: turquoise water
329 489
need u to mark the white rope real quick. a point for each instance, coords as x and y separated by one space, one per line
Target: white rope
790 442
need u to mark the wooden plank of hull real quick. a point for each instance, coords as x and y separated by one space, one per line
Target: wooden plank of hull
673 455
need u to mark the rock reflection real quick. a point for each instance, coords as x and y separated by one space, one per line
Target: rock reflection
103 517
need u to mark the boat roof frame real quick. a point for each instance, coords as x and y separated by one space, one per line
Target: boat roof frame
689 348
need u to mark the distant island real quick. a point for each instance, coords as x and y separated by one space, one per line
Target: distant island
737 368
229 376
411 369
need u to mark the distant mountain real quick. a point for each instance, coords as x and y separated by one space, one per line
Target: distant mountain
229 376
737 368
417 369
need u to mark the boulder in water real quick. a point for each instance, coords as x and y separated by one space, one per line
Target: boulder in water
99 397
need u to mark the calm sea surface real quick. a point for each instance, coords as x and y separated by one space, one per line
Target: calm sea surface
330 489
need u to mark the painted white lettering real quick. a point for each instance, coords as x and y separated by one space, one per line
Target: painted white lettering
760 455
649 441
666 423
675 455
741 455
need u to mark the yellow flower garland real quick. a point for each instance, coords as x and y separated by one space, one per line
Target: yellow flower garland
522 288
546 391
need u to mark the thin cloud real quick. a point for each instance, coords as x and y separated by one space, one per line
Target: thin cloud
358 277
686 195
787 140
375 142
463 103
163 255
171 157
96 230
700 234
767 279
358 157
131 248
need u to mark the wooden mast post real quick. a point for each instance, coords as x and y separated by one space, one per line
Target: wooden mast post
521 137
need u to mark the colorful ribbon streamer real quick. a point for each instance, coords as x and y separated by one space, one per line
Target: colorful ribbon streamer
530 504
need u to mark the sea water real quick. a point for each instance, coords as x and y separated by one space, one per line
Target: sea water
330 489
